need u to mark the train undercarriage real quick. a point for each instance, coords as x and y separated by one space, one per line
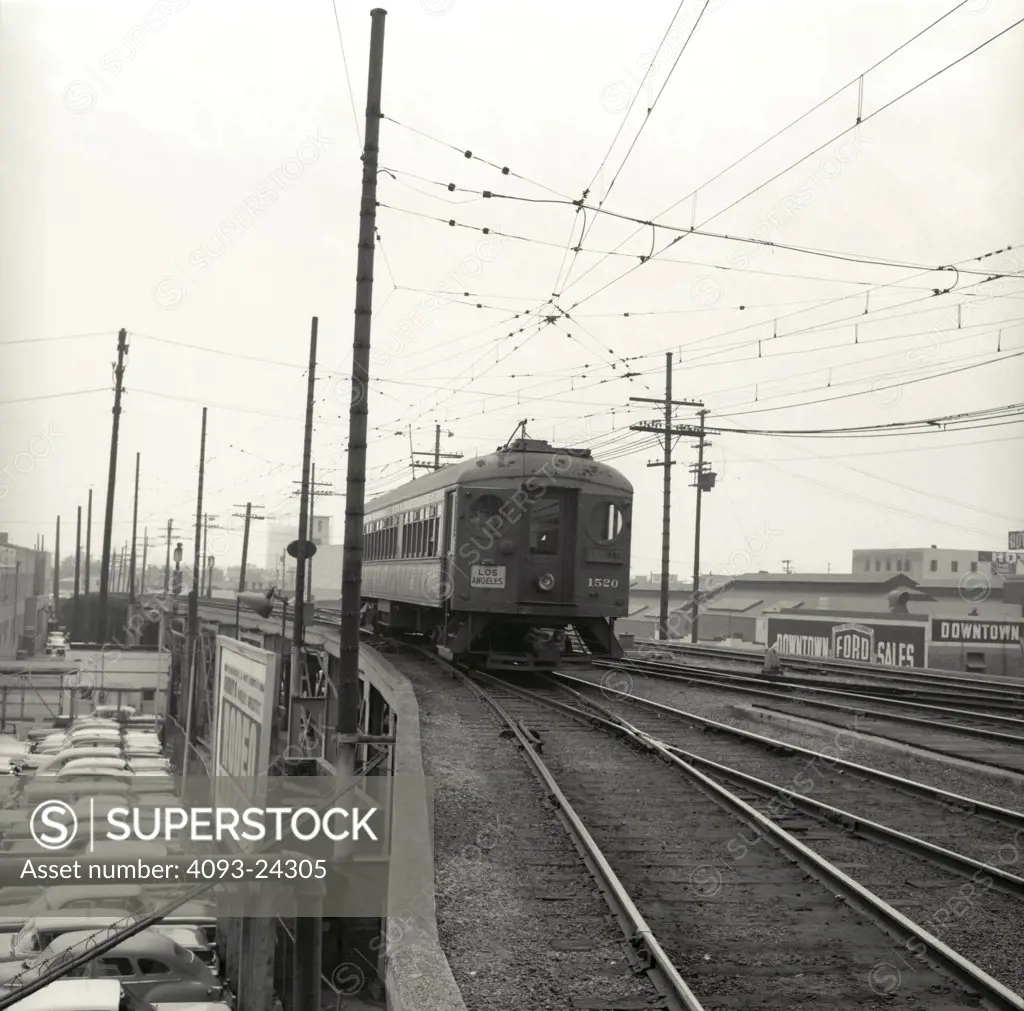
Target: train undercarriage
498 642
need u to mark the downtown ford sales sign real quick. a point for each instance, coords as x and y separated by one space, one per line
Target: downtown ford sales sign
975 630
894 644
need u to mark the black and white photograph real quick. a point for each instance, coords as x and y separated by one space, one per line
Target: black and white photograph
511 507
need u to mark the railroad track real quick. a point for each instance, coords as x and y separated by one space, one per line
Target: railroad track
968 736
909 676
773 936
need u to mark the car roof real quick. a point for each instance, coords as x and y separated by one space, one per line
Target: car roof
144 941
74 995
82 922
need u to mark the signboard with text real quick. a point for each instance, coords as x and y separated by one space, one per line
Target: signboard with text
976 630
895 644
1016 540
244 720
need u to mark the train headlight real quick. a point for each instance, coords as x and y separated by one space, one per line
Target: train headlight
546 582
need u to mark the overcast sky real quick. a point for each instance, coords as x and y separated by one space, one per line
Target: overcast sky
135 136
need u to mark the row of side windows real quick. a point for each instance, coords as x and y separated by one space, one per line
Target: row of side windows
407 535
904 566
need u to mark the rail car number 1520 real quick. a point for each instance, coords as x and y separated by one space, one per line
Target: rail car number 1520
604 583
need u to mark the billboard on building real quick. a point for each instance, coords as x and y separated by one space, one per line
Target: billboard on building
976 630
244 721
1016 539
895 644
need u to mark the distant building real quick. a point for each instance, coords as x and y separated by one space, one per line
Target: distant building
24 599
280 534
933 564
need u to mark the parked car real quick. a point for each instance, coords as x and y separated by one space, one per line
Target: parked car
53 764
20 948
100 995
149 965
78 901
192 939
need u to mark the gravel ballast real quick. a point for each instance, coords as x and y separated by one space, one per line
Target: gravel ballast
518 916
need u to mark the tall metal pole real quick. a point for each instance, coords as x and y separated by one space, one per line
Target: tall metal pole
312 500
56 576
202 578
666 505
145 550
347 690
298 631
78 551
108 519
167 564
135 533
437 447
307 957
695 602
88 547
193 610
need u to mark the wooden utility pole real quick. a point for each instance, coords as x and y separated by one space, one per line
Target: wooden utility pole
314 485
703 480
245 556
437 454
56 577
75 608
88 549
193 611
307 953
135 532
167 564
145 550
666 430
347 688
108 519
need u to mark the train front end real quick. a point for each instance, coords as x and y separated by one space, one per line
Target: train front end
536 559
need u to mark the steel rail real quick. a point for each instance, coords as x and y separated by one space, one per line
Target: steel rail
1001 881
663 973
953 801
795 662
754 686
893 922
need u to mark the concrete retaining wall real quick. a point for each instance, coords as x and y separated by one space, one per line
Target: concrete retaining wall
416 973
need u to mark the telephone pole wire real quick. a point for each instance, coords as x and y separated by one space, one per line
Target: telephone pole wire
666 430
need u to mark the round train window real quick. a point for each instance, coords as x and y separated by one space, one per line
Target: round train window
485 508
606 522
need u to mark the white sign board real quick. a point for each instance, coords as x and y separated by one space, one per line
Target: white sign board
246 693
1016 540
488 577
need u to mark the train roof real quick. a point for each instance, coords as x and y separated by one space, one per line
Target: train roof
523 458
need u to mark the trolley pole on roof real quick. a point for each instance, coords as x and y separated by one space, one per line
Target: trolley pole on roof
666 430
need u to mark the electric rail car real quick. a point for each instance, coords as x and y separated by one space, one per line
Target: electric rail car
514 561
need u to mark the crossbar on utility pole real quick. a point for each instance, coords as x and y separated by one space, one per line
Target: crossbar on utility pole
665 430
437 454
135 532
108 519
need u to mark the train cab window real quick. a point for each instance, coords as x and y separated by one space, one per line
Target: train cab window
485 509
606 522
545 519
954 566
933 565
432 538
